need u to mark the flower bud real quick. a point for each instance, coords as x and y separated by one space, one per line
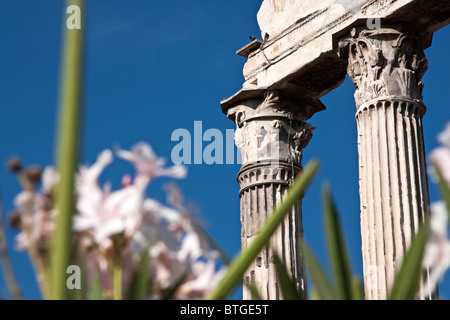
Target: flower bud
14 165
15 220
34 174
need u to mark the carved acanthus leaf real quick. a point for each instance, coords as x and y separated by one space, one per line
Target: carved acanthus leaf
385 62
270 130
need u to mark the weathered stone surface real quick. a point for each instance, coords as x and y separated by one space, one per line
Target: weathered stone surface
301 47
271 129
271 135
393 188
385 63
262 189
386 66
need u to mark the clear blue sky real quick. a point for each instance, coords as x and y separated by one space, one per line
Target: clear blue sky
156 66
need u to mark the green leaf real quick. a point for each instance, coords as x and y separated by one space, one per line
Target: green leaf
407 281
322 285
95 292
67 154
238 267
357 289
254 291
314 294
139 286
339 258
287 285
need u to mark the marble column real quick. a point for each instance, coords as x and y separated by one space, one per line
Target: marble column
386 65
271 134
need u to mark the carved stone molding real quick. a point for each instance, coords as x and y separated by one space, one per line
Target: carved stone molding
384 63
271 130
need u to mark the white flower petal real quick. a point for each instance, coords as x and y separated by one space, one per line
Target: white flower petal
444 136
441 158
81 223
107 229
439 218
50 178
177 171
159 211
21 241
148 164
24 201
92 173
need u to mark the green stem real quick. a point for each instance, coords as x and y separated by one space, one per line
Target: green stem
67 153
117 281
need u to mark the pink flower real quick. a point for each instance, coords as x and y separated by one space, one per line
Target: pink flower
166 267
36 220
37 213
148 165
440 156
156 225
437 251
104 213
177 250
444 136
204 279
115 213
50 179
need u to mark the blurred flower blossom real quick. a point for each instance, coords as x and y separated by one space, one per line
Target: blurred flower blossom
437 251
35 211
114 228
440 156
104 213
148 165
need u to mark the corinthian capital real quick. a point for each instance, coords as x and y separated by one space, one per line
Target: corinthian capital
384 63
271 128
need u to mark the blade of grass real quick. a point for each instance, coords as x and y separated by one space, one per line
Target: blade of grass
339 258
322 284
95 292
117 281
357 289
407 280
287 285
139 285
67 153
254 291
238 267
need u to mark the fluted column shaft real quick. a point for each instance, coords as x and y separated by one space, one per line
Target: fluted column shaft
261 192
386 66
271 134
393 187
